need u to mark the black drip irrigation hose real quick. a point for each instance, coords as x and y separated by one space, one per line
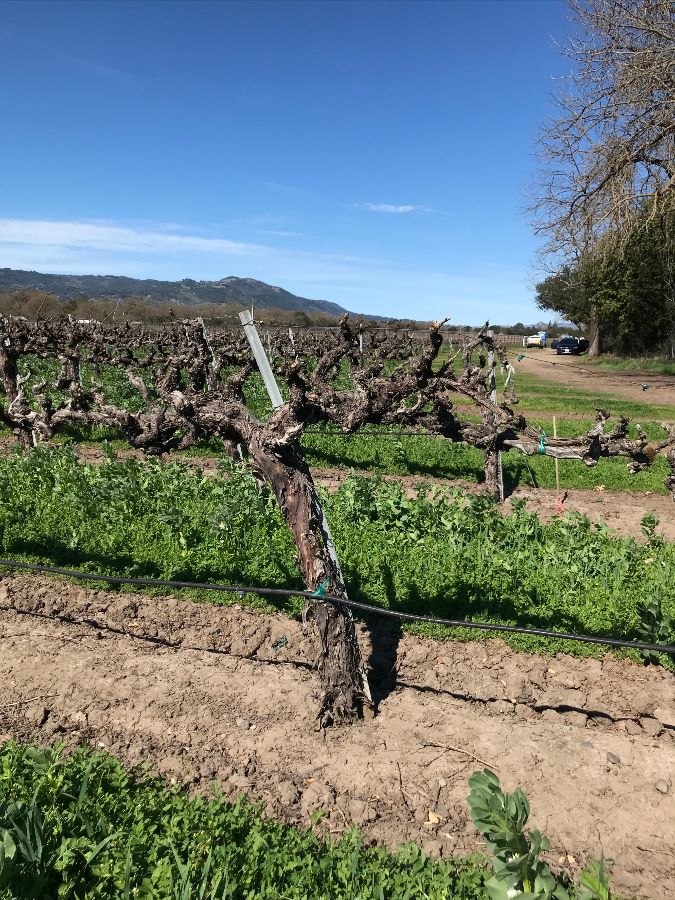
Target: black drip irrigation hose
351 604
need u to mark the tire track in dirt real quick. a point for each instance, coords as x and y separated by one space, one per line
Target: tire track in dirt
200 692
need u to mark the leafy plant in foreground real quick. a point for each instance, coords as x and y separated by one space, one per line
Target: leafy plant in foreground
656 627
648 525
501 818
518 870
595 882
83 827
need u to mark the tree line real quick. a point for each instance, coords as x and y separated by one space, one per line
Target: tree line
604 198
36 304
624 298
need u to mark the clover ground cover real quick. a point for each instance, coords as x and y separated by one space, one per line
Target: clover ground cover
441 553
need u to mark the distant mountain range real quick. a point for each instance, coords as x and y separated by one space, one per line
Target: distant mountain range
242 291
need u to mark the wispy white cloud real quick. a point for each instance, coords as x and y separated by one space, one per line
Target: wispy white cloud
391 208
107 73
363 283
95 235
102 247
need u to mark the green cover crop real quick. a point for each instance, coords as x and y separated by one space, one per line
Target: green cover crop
82 827
440 553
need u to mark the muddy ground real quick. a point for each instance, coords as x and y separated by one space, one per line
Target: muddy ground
200 693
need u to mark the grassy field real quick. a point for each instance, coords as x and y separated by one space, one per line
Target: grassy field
439 554
370 451
437 458
554 396
638 364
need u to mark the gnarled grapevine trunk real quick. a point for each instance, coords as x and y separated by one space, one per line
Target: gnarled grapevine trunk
669 480
11 382
344 684
493 472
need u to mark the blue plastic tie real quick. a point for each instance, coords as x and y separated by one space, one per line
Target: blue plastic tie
542 443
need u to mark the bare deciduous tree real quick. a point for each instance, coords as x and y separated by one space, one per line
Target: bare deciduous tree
610 152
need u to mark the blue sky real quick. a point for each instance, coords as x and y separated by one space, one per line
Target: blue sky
375 154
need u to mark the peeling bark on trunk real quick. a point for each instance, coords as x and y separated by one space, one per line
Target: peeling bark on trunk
492 474
340 665
10 380
669 480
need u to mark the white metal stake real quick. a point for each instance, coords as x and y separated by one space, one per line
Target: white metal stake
556 460
277 401
258 351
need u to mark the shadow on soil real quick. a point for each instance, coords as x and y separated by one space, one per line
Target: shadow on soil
384 634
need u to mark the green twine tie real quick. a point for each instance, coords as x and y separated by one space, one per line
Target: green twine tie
520 357
321 590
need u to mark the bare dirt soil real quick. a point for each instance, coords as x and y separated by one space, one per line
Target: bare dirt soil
548 365
620 511
200 693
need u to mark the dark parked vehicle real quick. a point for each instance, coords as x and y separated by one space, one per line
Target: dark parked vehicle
572 345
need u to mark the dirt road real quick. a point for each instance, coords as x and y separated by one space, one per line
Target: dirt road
200 692
568 370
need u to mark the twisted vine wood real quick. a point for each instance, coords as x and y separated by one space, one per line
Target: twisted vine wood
187 383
